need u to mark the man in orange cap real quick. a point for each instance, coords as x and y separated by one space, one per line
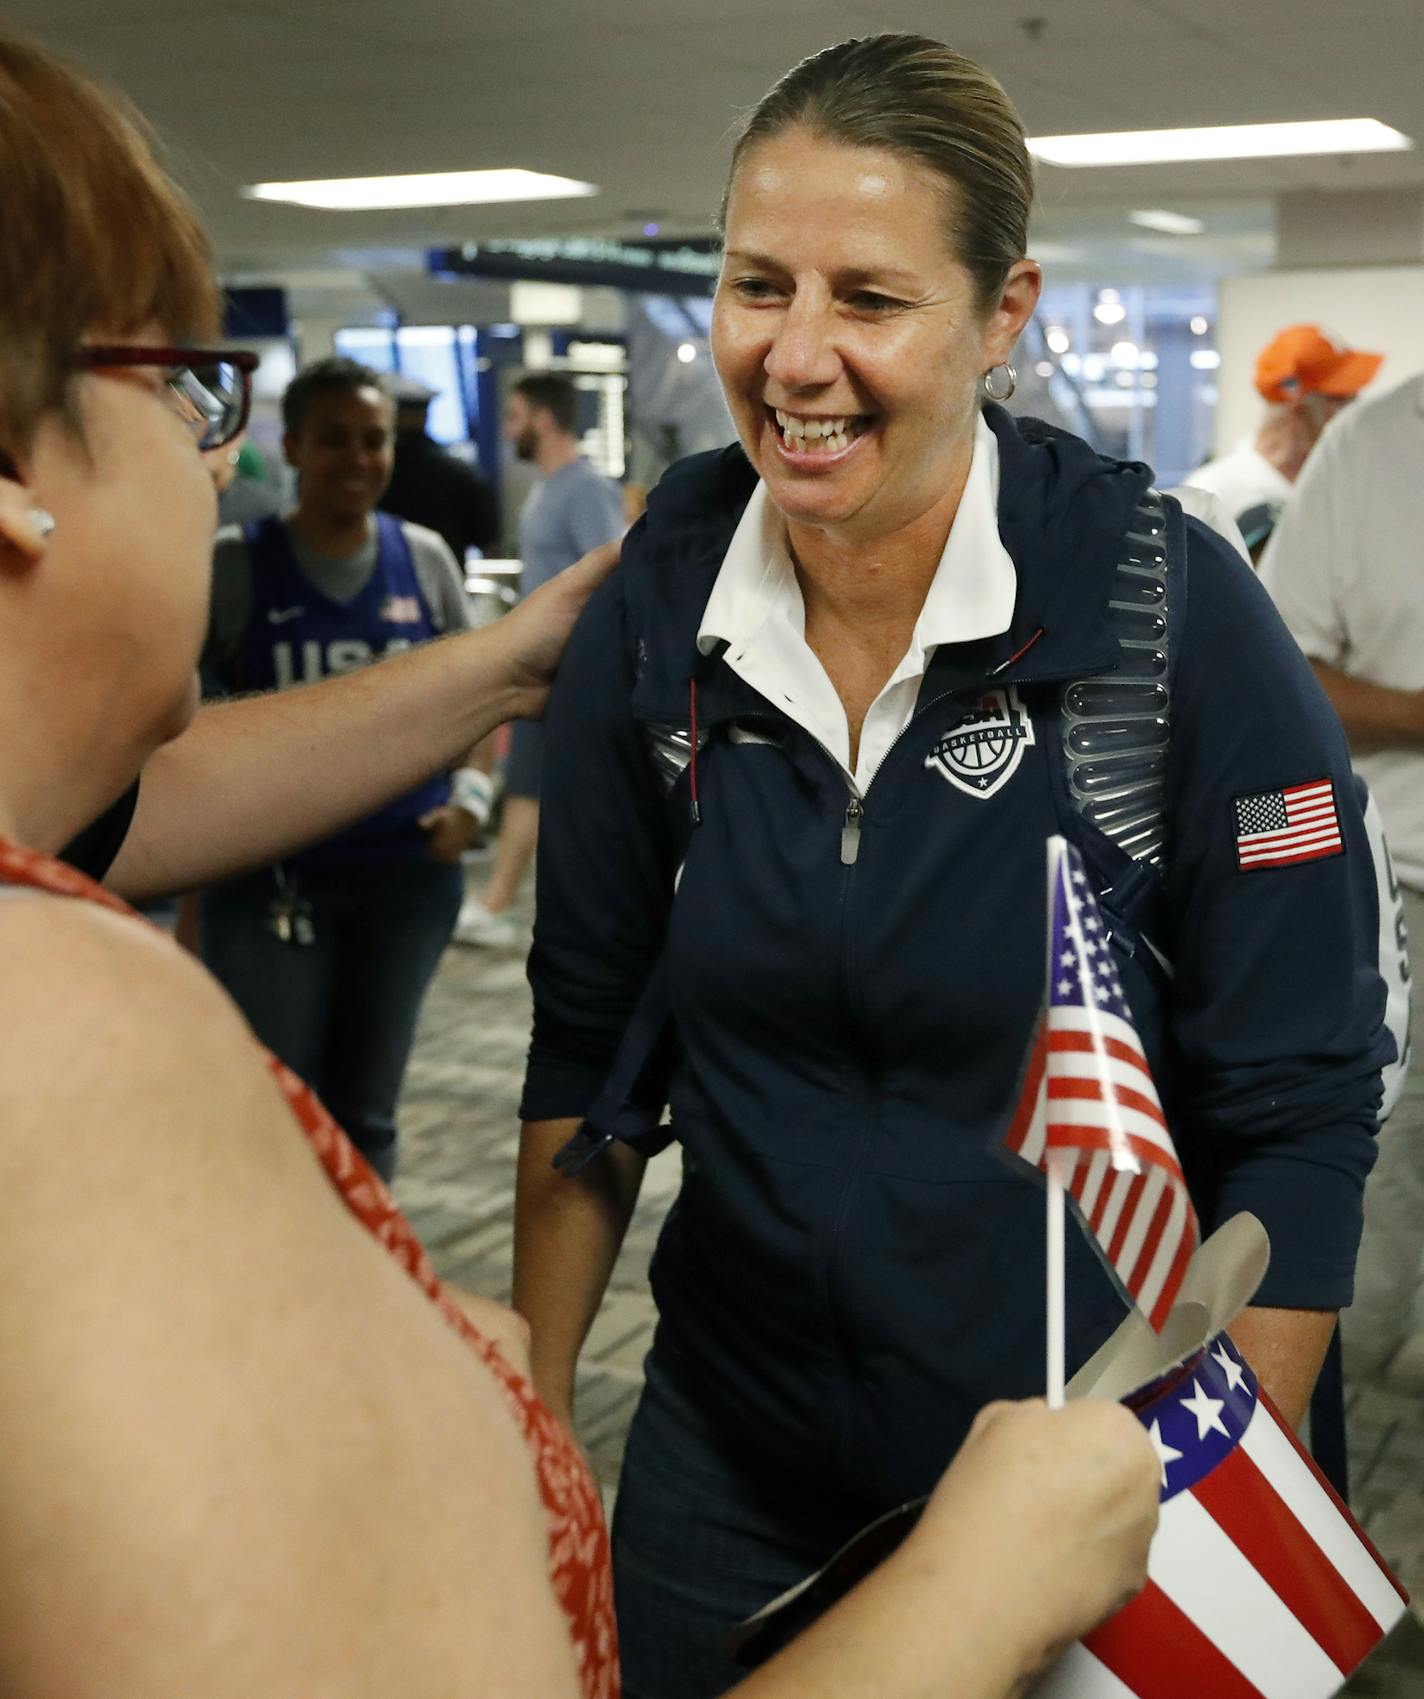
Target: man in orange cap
1305 377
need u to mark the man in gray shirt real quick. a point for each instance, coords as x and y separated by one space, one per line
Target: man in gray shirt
571 509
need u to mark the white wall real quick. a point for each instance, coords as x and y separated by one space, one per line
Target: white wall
315 333
1380 308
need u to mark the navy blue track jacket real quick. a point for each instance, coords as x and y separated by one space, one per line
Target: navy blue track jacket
852 1269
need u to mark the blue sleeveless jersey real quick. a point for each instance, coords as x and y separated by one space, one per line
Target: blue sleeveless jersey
295 635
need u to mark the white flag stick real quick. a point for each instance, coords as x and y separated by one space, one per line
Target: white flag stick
1059 1165
1059 1162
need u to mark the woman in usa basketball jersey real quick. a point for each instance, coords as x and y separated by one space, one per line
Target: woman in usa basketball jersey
329 953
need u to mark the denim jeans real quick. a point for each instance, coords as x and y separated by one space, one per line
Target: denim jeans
701 1539
341 1011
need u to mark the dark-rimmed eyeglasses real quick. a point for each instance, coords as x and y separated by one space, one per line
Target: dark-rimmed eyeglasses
212 387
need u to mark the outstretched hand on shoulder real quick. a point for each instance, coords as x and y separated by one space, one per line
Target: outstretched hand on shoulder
540 626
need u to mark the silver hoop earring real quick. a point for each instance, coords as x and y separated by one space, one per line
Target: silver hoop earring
1002 389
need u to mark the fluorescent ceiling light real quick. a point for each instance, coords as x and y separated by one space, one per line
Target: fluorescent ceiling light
1169 223
1222 141
423 188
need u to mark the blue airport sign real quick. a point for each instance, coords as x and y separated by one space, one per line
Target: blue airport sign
670 267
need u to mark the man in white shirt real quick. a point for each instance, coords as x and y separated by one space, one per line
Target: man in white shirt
1306 377
1344 569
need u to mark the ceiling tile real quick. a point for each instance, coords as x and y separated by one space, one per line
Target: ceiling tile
640 96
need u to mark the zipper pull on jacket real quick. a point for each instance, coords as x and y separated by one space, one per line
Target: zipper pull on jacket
850 832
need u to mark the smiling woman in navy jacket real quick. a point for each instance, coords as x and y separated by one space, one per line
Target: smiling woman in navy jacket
880 626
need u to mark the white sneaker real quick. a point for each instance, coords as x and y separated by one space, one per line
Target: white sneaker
482 929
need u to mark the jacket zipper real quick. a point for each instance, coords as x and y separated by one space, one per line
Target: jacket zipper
855 806
850 830
850 851
863 1086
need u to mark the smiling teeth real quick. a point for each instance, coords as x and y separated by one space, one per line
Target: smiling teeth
829 435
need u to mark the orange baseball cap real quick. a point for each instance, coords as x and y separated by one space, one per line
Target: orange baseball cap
1304 360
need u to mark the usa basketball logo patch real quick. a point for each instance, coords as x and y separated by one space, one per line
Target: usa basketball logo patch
981 751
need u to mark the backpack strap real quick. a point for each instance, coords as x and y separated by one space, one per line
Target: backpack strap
629 1108
1116 729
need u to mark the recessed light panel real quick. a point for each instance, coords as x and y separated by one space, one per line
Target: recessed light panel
423 188
1169 223
1222 141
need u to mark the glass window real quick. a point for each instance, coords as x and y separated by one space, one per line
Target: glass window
433 355
1131 368
427 353
372 346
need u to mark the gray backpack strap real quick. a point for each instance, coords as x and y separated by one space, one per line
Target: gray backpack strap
1116 728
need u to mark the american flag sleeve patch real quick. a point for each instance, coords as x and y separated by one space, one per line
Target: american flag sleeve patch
1277 828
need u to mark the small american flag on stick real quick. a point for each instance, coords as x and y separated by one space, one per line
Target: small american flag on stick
1088 1094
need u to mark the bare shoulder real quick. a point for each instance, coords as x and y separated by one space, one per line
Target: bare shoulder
70 938
102 1015
206 1356
130 1085
99 966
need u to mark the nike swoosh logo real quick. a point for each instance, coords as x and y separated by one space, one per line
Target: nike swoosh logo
280 616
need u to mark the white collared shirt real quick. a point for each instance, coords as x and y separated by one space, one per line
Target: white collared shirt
1343 569
1243 479
756 609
